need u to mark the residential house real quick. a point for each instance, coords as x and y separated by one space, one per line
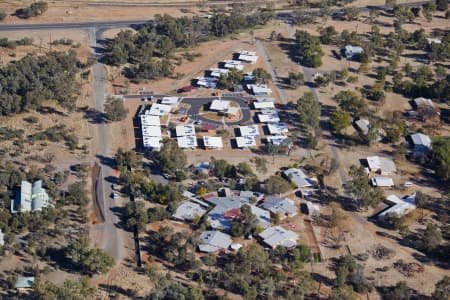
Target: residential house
259 89
220 105
188 211
352 51
283 207
185 130
245 142
212 142
268 116
382 165
213 241
233 64
158 109
399 206
421 144
24 283
187 142
300 179
278 236
277 128
249 130
264 103
248 56
32 197
363 125
2 238
382 181
172 101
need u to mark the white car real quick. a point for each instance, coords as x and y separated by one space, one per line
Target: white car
114 195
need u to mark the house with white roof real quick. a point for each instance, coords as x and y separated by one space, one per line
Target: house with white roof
212 142
245 142
259 89
230 64
188 210
249 130
153 143
277 139
220 105
351 51
151 131
248 56
183 130
421 143
172 101
283 207
217 72
24 283
399 206
207 82
278 236
382 181
213 241
2 238
300 179
434 41
382 165
421 101
268 116
363 125
149 120
32 197
158 109
187 142
277 128
264 103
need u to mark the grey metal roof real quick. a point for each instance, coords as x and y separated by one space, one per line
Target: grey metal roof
280 205
24 282
188 210
298 177
213 241
278 236
420 139
31 197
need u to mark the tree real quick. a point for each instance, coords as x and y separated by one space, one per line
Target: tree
115 110
261 76
308 108
296 79
351 13
171 159
309 49
422 201
350 101
3 15
90 261
360 188
245 224
442 289
400 292
327 35
276 185
376 93
441 157
390 3
431 238
428 9
126 159
74 290
340 120
244 169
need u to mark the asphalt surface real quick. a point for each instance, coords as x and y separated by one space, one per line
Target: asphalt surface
197 103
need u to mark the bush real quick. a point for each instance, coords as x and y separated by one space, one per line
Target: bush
35 9
3 15
115 110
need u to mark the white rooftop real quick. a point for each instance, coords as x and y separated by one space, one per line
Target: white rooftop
297 176
213 142
248 56
245 141
249 130
401 206
382 181
283 206
217 72
277 128
160 109
212 241
381 164
268 116
363 125
276 139
434 41
259 89
152 142
149 120
233 64
208 82
148 131
421 101
278 236
264 103
187 141
182 130
352 50
220 105
420 139
170 100
188 210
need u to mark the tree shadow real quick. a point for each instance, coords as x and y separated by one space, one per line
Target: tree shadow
46 110
107 161
322 279
115 289
94 116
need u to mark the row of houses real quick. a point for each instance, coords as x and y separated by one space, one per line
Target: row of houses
151 122
186 138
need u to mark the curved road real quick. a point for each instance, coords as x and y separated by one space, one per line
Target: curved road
197 103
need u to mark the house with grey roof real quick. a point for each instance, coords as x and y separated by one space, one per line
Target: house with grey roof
278 236
213 241
421 143
188 210
226 208
24 283
31 197
300 179
382 165
284 207
363 125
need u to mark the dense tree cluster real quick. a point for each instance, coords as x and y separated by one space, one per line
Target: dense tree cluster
75 290
308 109
365 195
35 9
441 157
27 83
115 109
87 260
171 159
151 47
309 49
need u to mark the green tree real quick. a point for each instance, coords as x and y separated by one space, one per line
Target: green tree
308 108
328 35
442 289
171 159
3 15
351 13
340 120
126 159
89 261
351 102
441 157
115 110
428 9
309 49
276 185
431 238
295 79
244 169
359 187
261 76
401 291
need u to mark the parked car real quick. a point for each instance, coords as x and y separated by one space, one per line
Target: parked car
115 195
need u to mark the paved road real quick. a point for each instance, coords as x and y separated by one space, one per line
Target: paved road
111 235
197 103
